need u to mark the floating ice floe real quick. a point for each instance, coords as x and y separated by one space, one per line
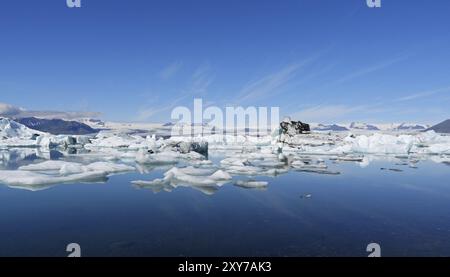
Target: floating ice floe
167 157
429 143
57 172
425 143
33 180
197 176
66 168
256 166
189 176
348 158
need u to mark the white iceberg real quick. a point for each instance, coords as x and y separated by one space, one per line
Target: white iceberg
188 176
28 179
67 168
40 175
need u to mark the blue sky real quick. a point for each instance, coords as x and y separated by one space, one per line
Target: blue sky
318 60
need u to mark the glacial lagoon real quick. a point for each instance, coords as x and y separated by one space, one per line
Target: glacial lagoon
399 203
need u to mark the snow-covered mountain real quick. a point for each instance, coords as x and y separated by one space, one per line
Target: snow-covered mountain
56 126
329 127
360 126
363 126
443 127
92 122
411 127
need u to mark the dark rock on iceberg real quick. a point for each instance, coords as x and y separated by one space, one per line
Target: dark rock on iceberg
186 147
292 128
201 148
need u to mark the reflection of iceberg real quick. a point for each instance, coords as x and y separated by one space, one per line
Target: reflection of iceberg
170 186
318 171
251 184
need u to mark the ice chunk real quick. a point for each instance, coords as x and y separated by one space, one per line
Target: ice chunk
66 168
348 158
189 176
183 176
11 129
57 172
28 179
221 175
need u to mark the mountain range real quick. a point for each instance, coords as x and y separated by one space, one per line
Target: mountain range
56 126
443 127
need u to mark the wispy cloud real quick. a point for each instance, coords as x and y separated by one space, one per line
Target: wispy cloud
200 81
273 83
268 85
197 85
422 94
7 110
170 70
147 113
370 69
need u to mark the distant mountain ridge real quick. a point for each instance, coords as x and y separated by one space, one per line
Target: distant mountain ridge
56 126
363 126
331 127
443 127
360 126
411 127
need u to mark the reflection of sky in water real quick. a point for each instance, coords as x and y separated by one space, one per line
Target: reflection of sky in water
407 213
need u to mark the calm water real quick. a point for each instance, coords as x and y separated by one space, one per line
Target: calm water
407 213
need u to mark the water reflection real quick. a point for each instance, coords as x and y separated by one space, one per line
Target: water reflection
245 169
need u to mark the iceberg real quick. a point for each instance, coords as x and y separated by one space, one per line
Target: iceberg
46 173
192 176
201 179
29 179
10 129
66 168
